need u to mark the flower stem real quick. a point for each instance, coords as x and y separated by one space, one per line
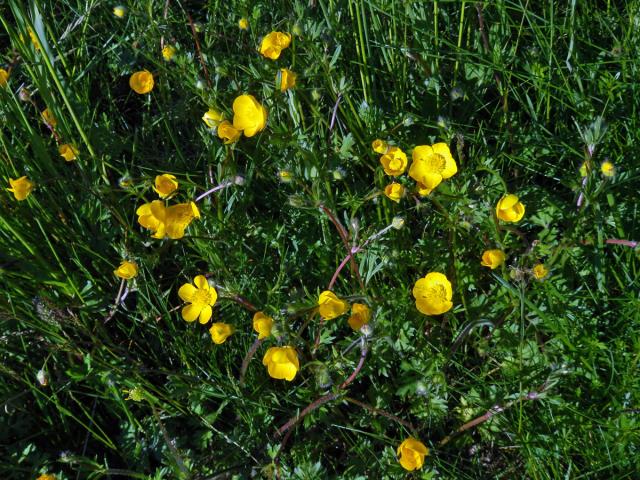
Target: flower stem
224 184
245 363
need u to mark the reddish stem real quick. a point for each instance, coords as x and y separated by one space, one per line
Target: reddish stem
195 38
247 359
626 243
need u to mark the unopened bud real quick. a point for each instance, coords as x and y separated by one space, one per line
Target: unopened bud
238 180
42 377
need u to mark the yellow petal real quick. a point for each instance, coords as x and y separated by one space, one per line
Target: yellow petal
205 314
186 292
191 312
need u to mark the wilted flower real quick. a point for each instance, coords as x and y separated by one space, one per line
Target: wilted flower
608 169
433 294
394 191
394 161
287 79
200 299
220 332
330 306
21 188
212 118
168 52
68 152
360 315
380 146
228 133
412 453
493 258
249 115
273 44
48 118
120 11
509 208
165 185
127 270
431 165
4 77
539 271
243 24
262 324
281 362
141 82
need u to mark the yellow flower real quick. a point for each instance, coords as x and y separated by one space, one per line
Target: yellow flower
433 294
422 190
394 191
493 258
360 315
168 52
21 188
412 452
431 165
152 216
46 476
273 44
220 331
243 24
68 152
262 324
141 82
4 77
281 362
539 271
285 176
509 208
127 270
165 185
608 169
380 146
249 115
120 11
48 118
212 118
178 218
583 169
394 161
287 79
331 306
228 133
200 299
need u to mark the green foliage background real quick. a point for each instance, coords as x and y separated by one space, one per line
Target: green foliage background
523 92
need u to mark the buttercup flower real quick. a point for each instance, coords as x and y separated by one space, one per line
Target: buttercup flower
152 216
360 315
127 270
249 115
431 165
200 299
330 306
608 169
46 476
509 208
4 77
220 332
21 188
539 271
165 185
228 133
394 161
48 118
273 44
493 258
243 24
178 217
281 362
433 294
262 324
68 152
412 452
120 11
141 82
168 52
212 118
380 146
287 79
394 191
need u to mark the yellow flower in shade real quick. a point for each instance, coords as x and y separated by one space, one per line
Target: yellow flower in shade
608 169
243 24
127 270
228 133
48 118
4 77
212 118
331 306
360 315
412 452
422 190
68 152
431 165
220 332
200 299
539 271
21 188
287 79
510 209
152 216
394 191
433 294
168 52
493 258
380 146
120 11
394 161
46 476
249 115
141 82
281 362
262 324
583 169
273 44
165 185
178 217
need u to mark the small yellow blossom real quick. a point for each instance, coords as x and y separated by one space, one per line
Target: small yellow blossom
394 191
220 332
493 258
141 82
412 452
165 185
380 146
433 294
200 299
281 362
167 221
360 315
21 188
584 170
539 271
287 79
243 24
262 324
608 169
212 118
68 151
47 476
285 176
510 209
4 77
249 115
273 44
120 11
127 270
136 394
394 161
168 53
228 133
48 118
431 165
330 306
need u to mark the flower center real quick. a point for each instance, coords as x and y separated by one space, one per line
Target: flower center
435 163
436 293
202 297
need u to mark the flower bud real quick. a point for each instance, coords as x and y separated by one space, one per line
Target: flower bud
397 223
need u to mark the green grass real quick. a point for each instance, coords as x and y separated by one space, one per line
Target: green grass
523 93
